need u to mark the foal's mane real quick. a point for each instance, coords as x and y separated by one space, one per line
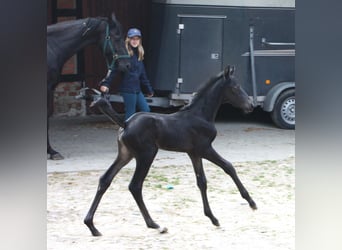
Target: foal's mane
202 90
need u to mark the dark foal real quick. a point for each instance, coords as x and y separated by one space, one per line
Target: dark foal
189 130
64 39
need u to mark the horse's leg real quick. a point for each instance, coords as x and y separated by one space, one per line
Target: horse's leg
122 159
202 185
214 157
144 161
54 155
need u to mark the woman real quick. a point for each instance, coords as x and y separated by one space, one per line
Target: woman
130 87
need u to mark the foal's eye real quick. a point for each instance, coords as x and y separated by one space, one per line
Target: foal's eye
236 89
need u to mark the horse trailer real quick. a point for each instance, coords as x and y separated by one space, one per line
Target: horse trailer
190 40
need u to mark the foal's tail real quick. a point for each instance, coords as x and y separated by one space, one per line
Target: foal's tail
105 107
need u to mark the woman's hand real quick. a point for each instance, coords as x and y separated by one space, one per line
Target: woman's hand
104 89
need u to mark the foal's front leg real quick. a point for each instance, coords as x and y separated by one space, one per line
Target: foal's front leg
202 185
214 157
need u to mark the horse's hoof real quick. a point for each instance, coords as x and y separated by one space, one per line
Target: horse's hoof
162 230
56 156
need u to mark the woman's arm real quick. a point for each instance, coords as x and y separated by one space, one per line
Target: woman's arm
145 82
107 81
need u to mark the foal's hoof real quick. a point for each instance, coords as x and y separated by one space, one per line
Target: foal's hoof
162 230
216 222
253 205
96 233
56 156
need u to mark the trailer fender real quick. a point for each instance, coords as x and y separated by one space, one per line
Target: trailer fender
273 94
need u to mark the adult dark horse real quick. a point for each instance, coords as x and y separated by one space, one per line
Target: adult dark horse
64 39
190 130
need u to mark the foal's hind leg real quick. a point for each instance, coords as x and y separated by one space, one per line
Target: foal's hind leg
202 185
144 161
105 180
214 157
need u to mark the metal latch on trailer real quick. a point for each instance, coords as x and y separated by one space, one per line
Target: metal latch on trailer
180 28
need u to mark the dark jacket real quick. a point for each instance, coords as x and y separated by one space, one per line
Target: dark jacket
133 79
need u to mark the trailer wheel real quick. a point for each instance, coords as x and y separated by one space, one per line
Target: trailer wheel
283 114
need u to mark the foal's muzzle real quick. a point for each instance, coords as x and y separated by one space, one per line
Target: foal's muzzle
249 107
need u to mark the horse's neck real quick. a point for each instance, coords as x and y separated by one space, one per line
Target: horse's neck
209 103
70 40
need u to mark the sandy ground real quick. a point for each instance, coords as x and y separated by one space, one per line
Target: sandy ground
262 154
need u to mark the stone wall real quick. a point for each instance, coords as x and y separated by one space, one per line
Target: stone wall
65 103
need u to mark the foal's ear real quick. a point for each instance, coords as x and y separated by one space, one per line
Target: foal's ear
229 71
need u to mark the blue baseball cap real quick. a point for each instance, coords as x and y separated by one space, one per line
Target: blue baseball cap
133 32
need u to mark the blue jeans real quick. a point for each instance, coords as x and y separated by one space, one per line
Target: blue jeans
133 101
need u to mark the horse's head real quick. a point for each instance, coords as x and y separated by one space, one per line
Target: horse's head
234 93
113 45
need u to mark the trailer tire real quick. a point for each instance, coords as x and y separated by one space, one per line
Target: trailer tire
283 113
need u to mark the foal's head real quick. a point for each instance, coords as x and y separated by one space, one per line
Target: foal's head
234 93
113 45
